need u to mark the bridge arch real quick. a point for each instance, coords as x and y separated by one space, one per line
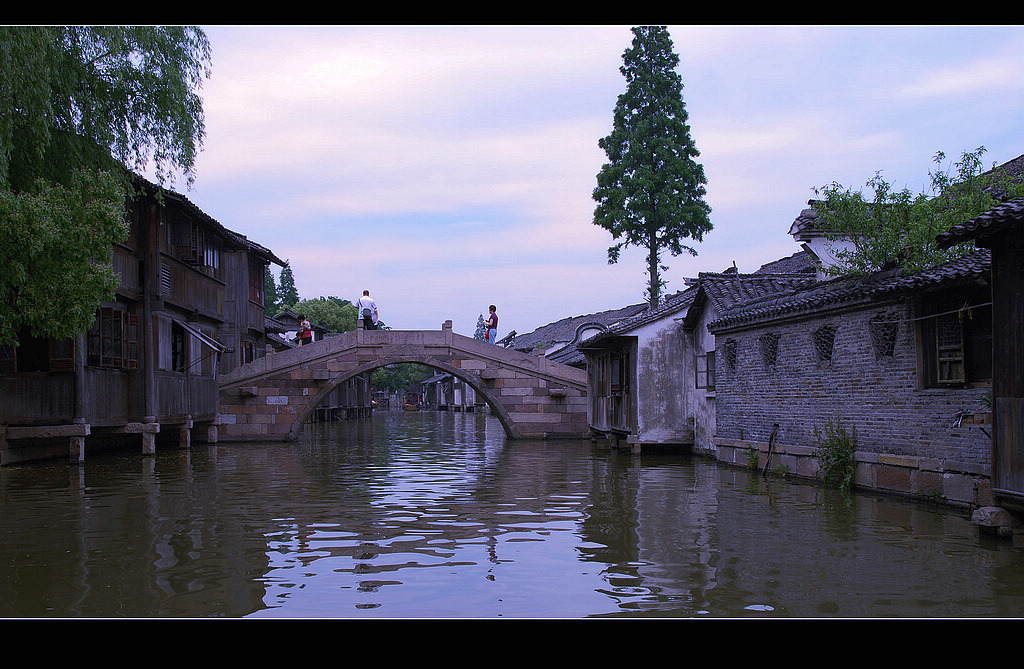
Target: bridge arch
497 409
269 399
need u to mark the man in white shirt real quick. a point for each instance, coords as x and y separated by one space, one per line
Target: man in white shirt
367 311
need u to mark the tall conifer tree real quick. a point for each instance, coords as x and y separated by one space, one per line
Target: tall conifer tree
287 294
271 303
651 192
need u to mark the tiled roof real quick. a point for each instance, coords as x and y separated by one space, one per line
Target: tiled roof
190 206
1006 216
823 294
725 289
800 262
565 329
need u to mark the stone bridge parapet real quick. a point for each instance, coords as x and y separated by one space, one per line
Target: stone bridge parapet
269 399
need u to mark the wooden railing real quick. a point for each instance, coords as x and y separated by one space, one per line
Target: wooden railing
190 288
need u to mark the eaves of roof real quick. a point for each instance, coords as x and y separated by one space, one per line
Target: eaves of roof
235 237
1002 217
565 330
971 269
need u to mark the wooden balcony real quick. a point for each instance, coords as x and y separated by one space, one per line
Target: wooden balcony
190 288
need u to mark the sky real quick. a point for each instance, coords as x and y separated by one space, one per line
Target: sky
447 168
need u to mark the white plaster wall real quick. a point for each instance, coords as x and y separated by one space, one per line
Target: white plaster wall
663 379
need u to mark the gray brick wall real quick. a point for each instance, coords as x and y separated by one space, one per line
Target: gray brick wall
878 396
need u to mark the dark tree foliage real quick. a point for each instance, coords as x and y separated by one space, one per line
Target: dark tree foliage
81 106
651 192
287 294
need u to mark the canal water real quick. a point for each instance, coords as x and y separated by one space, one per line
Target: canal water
438 515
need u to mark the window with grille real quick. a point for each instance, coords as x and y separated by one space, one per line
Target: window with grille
883 329
730 354
824 344
770 349
949 349
193 244
113 340
956 338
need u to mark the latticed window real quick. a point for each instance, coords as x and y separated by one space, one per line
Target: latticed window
956 333
113 340
884 330
949 349
730 353
824 343
770 349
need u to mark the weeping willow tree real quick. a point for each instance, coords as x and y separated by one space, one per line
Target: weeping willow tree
80 108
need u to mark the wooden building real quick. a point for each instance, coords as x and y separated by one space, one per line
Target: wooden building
189 307
1001 230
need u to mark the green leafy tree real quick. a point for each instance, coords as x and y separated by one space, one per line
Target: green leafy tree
397 378
287 294
56 252
79 107
890 227
329 312
651 192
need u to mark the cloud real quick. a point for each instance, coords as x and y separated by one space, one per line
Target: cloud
447 168
999 74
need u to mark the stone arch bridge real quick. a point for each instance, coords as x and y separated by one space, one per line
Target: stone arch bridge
269 399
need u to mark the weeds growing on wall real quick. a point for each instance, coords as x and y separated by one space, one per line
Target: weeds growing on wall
835 447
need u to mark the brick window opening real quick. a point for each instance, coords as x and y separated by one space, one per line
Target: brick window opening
770 349
824 344
884 331
730 354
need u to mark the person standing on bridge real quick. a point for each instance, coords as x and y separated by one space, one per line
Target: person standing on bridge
368 310
492 325
305 331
